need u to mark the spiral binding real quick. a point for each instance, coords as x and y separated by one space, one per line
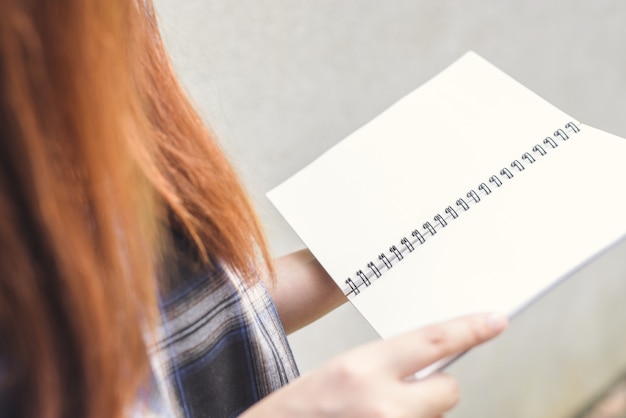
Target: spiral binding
407 244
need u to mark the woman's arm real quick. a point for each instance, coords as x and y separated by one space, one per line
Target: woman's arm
303 291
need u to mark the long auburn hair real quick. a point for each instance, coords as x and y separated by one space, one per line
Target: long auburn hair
98 146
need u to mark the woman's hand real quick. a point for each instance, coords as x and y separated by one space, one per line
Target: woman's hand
374 380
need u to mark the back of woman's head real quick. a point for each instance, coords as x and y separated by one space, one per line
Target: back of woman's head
96 138
70 198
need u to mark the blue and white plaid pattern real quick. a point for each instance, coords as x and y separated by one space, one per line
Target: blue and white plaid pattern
220 348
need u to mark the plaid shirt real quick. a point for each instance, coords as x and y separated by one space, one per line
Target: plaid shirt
220 348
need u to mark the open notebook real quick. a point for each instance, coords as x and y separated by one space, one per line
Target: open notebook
470 194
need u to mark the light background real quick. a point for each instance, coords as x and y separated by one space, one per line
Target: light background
280 81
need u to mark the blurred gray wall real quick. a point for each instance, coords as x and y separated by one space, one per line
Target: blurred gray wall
280 81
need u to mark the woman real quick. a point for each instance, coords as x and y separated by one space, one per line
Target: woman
132 268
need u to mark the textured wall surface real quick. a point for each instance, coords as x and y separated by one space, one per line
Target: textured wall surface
280 81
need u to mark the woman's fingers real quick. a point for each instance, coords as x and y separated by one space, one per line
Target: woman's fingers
432 396
370 380
408 353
